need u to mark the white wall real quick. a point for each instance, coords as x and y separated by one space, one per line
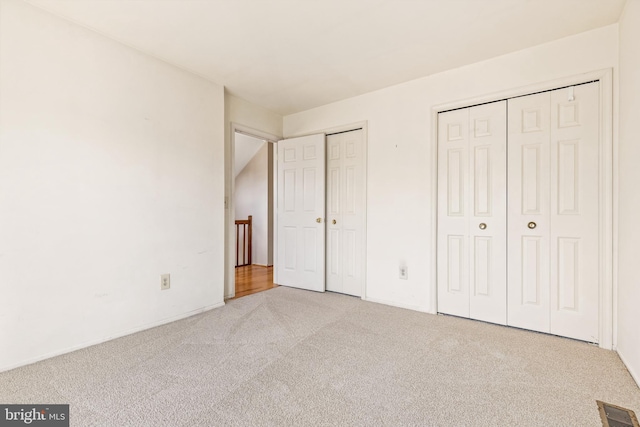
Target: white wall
251 191
629 196
111 173
399 177
245 147
248 116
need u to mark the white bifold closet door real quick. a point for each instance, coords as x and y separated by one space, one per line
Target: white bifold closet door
301 209
345 212
547 245
553 212
472 212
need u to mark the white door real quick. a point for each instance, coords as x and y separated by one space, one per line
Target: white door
574 218
554 212
453 206
488 212
472 212
301 209
529 167
345 212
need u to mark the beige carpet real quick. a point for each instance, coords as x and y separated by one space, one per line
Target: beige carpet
287 357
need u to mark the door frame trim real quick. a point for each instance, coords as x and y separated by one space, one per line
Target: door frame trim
344 128
607 189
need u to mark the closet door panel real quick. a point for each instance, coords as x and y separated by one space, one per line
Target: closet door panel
574 212
353 212
453 212
345 212
528 212
301 201
487 216
334 233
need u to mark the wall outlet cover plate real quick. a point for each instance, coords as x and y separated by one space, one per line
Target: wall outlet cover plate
165 282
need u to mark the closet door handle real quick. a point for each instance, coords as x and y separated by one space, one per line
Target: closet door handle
318 220
532 225
334 222
482 226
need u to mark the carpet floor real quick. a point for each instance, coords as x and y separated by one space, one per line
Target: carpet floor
287 357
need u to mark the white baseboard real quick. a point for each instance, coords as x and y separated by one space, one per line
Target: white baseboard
634 375
399 305
111 337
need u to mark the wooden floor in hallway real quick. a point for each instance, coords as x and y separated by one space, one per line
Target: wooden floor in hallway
251 279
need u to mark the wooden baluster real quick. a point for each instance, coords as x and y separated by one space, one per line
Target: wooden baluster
237 242
246 241
250 239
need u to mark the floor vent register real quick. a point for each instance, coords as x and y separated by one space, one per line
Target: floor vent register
616 416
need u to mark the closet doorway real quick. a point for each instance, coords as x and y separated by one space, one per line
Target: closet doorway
522 212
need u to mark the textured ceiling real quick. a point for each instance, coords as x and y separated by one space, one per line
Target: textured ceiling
292 55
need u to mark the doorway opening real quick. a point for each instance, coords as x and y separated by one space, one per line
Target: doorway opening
250 250
347 148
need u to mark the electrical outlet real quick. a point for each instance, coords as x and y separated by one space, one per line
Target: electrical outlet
165 281
404 272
